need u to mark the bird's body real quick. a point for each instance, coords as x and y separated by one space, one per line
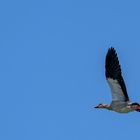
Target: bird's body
120 100
121 107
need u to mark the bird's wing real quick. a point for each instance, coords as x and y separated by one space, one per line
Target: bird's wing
114 76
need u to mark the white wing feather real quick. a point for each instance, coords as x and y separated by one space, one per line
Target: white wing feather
117 93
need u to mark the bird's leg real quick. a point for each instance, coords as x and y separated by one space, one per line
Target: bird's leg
135 107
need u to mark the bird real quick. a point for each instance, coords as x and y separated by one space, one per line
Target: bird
120 100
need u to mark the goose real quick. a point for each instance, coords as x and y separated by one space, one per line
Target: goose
120 100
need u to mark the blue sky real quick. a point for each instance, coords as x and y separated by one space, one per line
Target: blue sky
52 68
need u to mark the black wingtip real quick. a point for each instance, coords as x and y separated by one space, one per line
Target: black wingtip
112 50
112 65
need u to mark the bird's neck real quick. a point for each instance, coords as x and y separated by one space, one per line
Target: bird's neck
107 106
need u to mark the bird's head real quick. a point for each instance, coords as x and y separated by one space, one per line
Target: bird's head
101 106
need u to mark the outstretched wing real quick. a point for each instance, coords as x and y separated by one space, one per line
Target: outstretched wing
114 76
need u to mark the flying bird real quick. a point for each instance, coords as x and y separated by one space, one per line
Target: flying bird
120 100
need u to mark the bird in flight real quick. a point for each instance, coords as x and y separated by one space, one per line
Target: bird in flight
120 100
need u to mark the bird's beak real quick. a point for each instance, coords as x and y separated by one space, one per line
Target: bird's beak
96 107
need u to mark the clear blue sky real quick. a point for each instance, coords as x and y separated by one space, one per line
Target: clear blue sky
52 68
